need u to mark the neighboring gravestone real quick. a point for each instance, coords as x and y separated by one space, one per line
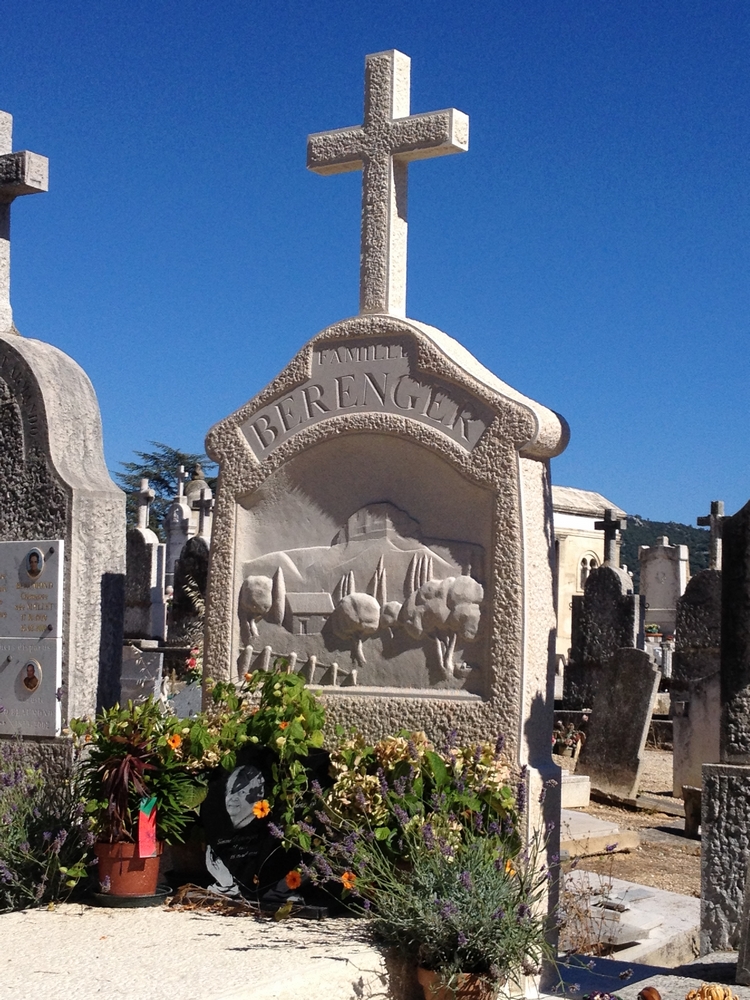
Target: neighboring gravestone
665 571
189 514
54 482
190 580
608 617
145 608
383 515
725 818
695 685
613 753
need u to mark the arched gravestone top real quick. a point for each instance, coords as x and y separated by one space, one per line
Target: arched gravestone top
56 484
443 467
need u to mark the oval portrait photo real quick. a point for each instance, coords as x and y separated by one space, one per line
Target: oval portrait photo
34 564
32 675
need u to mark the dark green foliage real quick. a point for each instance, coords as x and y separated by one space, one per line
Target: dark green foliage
643 532
160 467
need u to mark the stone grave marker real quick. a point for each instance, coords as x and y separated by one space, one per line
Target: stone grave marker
695 684
608 617
725 815
145 608
613 753
383 517
665 571
54 483
189 514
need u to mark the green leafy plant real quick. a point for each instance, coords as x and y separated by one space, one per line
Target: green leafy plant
467 908
44 832
132 755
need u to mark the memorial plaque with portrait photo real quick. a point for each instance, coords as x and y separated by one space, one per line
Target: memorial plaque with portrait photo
31 596
31 588
30 675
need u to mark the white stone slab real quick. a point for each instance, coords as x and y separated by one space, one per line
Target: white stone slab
29 708
576 791
31 588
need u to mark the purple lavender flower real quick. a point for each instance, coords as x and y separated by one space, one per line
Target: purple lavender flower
447 909
499 744
5 874
465 879
276 832
384 789
523 911
305 828
450 740
428 836
24 847
105 884
366 905
610 847
399 786
401 815
462 939
59 840
46 835
316 789
499 914
521 791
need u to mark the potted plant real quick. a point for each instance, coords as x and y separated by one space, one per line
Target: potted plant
139 793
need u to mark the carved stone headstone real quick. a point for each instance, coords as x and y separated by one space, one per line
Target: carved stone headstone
189 514
695 686
145 609
613 753
725 817
383 515
54 483
608 617
665 571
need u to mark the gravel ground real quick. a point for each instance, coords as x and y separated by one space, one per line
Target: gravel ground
666 858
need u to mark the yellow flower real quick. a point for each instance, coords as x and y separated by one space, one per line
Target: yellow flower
261 809
509 869
348 880
174 741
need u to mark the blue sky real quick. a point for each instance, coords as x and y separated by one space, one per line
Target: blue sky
591 248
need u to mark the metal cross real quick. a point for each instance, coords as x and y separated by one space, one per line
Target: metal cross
713 521
20 173
382 148
610 526
204 506
145 496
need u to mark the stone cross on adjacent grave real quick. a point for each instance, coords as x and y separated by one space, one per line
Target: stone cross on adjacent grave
382 148
713 521
144 500
182 478
204 506
610 526
20 173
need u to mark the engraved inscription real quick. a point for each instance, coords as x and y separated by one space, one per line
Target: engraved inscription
361 377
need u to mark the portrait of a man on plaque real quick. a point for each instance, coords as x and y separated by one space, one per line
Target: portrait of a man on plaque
32 675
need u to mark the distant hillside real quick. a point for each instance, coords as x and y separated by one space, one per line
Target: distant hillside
643 532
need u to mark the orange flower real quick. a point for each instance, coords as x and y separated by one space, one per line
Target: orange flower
261 809
283 725
293 880
248 677
174 741
509 869
348 880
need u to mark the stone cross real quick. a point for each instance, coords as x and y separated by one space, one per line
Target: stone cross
145 496
204 506
182 478
382 148
610 526
20 173
713 521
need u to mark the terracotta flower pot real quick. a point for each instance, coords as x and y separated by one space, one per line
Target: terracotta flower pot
470 986
128 873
